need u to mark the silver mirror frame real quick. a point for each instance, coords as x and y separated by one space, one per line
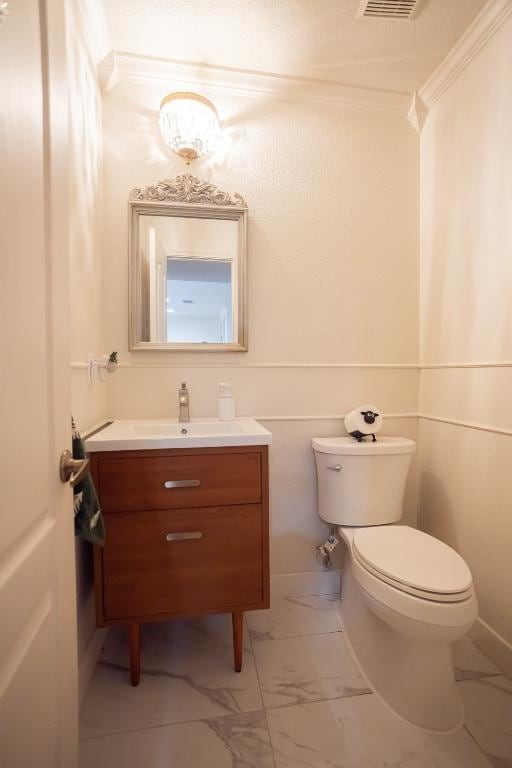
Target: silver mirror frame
184 196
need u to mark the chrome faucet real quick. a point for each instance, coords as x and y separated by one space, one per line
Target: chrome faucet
184 403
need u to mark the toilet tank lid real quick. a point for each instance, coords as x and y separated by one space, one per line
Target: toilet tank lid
348 446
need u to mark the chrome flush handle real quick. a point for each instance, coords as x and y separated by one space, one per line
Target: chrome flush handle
336 468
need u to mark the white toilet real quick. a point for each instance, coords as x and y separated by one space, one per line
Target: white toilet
406 596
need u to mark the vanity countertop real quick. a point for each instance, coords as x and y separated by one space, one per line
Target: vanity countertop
143 434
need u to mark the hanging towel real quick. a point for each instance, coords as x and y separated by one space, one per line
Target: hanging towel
89 523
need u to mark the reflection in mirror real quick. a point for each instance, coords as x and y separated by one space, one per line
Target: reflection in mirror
199 301
187 267
190 266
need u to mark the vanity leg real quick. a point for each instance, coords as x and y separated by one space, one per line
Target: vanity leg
134 652
238 639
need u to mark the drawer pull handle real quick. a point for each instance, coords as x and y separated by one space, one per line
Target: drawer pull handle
182 483
184 536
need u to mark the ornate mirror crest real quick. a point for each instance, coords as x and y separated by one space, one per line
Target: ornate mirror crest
186 189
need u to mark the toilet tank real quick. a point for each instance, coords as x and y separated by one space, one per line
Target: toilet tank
362 484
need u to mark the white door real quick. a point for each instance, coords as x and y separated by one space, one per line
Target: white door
38 665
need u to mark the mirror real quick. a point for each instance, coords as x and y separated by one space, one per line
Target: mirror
187 267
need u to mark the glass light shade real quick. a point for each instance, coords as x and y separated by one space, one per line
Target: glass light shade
189 124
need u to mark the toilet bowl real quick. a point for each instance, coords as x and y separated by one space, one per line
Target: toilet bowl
406 596
403 642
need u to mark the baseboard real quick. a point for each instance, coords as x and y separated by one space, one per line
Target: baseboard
89 661
306 583
495 647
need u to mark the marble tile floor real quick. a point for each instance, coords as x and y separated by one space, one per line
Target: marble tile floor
299 702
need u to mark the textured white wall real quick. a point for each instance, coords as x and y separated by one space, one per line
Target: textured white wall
466 317
333 223
333 279
89 403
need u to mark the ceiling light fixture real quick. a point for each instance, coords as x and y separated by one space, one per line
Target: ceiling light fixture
189 124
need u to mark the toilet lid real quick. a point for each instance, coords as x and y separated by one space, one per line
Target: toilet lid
414 560
347 446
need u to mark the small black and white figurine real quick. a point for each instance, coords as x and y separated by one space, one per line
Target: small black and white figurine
363 421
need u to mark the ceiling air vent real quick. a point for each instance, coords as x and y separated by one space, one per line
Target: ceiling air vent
387 9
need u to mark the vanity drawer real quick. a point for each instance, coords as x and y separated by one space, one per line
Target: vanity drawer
167 482
183 561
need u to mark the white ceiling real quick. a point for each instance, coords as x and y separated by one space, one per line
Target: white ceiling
319 39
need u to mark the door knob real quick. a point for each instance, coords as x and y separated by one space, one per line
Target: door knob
72 470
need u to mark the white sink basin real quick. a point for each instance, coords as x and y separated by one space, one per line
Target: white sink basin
128 435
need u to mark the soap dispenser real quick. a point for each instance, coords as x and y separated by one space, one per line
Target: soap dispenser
225 402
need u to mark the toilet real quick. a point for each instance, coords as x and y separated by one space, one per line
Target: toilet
406 596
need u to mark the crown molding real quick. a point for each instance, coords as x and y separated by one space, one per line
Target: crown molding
107 73
95 30
417 112
187 76
486 24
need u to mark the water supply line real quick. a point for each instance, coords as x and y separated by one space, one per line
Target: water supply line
324 551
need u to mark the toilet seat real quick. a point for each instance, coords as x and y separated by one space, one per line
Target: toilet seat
423 594
425 608
413 562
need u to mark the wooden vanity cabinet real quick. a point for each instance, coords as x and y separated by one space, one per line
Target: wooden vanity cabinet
186 535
